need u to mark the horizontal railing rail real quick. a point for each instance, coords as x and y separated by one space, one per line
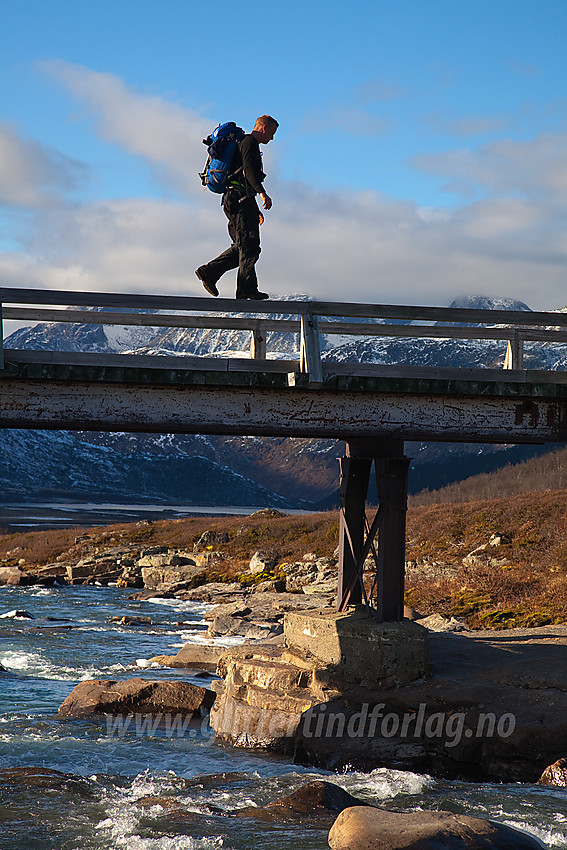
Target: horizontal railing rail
313 319
151 320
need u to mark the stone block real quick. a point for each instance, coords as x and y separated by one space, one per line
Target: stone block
359 648
205 559
244 725
154 577
260 562
11 576
167 559
81 573
328 586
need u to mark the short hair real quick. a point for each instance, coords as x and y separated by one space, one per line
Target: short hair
265 121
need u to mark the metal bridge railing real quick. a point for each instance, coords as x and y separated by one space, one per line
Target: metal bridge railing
313 318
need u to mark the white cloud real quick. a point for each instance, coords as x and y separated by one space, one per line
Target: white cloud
165 134
343 247
33 176
136 245
536 167
370 249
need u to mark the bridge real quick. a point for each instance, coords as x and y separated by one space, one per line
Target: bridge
374 408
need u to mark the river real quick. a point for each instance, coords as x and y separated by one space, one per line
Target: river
37 516
70 639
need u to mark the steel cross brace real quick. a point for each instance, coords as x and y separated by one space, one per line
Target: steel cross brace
357 537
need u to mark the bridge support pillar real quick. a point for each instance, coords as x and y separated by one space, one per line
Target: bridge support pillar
384 536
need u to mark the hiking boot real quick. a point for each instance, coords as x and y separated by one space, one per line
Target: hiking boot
209 286
258 296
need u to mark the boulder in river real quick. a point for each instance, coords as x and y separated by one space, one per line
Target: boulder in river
368 828
135 696
131 621
555 774
193 656
18 614
44 778
317 801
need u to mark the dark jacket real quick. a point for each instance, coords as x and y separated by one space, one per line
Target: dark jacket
246 173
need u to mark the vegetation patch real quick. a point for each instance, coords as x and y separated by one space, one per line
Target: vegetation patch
513 618
468 602
251 579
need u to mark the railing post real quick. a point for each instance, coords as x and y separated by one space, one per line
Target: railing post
258 343
1 339
310 351
515 352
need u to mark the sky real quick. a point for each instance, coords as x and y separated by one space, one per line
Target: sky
421 154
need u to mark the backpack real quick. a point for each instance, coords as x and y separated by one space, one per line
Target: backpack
221 145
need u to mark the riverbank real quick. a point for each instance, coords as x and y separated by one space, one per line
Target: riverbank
152 787
493 564
507 675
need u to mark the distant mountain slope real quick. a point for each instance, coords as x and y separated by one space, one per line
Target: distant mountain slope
542 474
64 465
237 470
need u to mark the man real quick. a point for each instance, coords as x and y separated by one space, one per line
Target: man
244 217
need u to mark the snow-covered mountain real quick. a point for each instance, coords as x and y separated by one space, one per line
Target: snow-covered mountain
61 336
235 470
484 302
64 465
486 354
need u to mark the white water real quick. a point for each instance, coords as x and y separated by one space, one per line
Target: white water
189 771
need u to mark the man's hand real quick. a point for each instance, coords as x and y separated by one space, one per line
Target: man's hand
266 201
260 218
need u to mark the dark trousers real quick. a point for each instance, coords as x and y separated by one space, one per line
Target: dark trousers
244 231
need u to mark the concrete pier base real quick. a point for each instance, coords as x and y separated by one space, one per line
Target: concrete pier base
358 648
328 655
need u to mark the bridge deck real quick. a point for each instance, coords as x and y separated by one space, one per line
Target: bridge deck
250 397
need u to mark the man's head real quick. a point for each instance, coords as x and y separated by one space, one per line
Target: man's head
265 128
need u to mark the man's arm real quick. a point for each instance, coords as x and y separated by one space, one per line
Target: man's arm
252 164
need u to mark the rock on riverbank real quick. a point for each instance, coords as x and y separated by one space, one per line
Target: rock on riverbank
135 696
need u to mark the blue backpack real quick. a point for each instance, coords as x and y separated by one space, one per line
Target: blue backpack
221 145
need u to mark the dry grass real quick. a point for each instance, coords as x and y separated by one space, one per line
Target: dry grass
546 474
286 538
522 581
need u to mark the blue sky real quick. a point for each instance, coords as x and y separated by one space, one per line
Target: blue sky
421 153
